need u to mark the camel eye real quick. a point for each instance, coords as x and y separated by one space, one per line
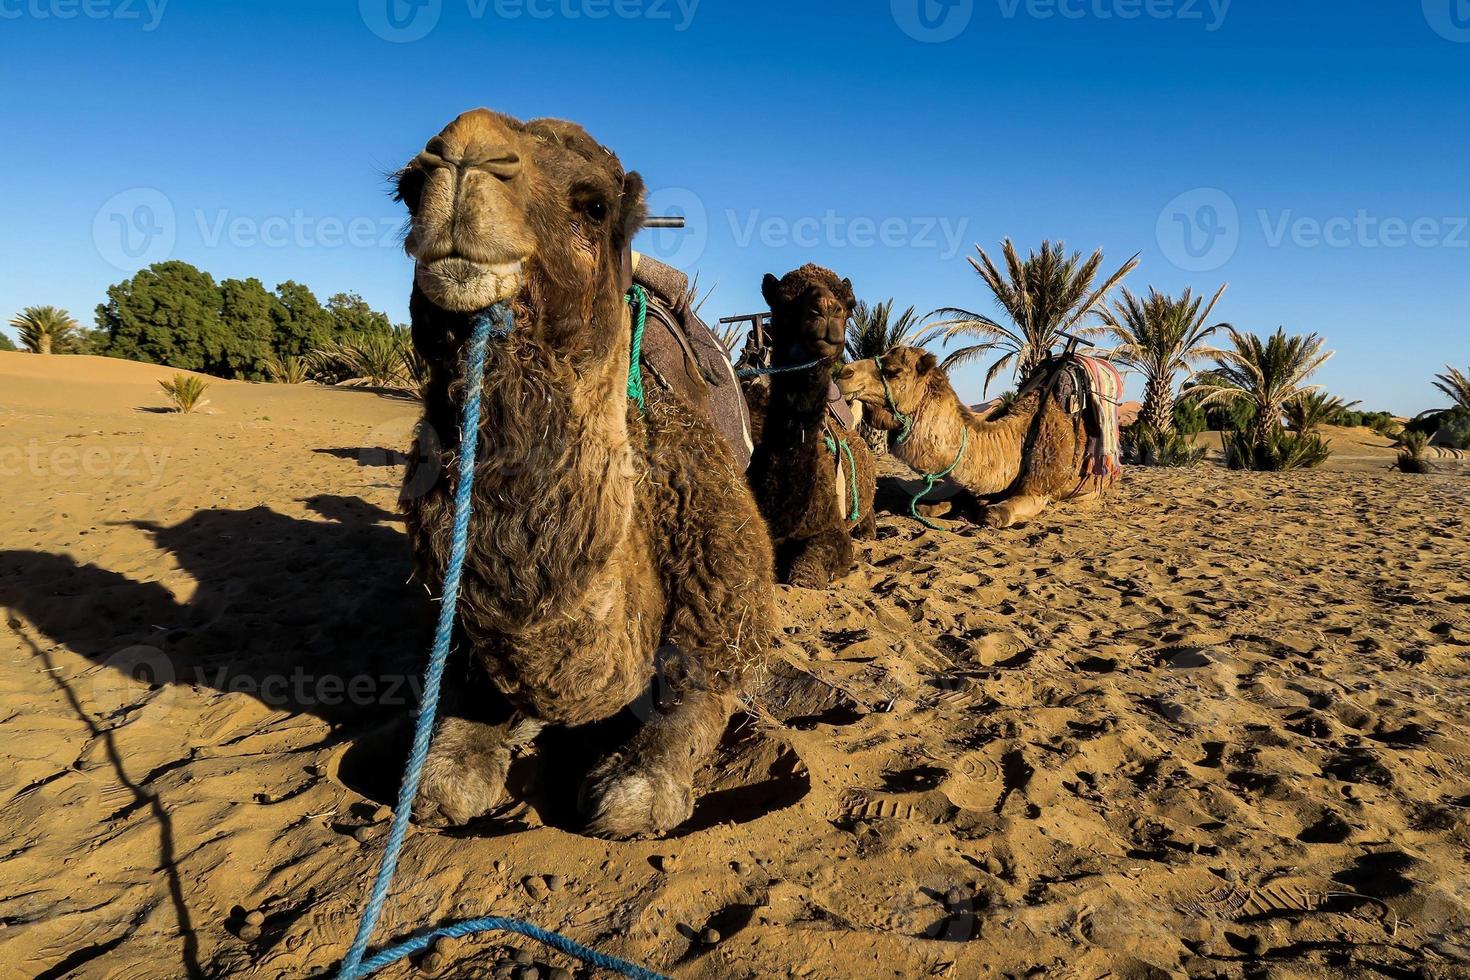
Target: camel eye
597 211
410 188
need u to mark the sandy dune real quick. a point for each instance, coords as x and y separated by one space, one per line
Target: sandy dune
1219 728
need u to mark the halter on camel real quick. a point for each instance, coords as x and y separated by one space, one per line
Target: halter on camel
906 424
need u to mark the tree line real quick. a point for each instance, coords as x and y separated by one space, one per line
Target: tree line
174 314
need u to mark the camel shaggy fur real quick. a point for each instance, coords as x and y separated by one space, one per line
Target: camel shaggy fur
802 477
995 465
603 537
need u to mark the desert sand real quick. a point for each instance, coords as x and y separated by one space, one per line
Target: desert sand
1218 727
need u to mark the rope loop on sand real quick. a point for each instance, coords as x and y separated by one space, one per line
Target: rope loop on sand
497 322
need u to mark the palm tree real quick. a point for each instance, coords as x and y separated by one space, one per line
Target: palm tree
1047 294
44 329
1159 336
1269 374
730 337
873 332
1455 384
1310 413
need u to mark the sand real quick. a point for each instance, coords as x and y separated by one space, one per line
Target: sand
1220 727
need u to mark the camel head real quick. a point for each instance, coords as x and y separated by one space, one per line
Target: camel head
536 213
810 308
913 378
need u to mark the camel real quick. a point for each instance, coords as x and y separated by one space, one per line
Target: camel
1021 466
609 542
813 476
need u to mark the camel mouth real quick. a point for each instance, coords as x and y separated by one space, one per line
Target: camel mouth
463 285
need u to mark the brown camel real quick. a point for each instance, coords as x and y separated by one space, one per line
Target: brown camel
1019 464
603 534
813 476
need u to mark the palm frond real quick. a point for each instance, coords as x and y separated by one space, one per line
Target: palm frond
1453 382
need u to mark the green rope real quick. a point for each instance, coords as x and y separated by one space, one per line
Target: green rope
857 505
930 479
905 421
637 296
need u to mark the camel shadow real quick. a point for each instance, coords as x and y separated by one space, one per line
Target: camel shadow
310 617
947 500
321 618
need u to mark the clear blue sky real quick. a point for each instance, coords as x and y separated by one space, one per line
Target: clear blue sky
791 132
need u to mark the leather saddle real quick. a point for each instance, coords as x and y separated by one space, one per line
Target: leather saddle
683 354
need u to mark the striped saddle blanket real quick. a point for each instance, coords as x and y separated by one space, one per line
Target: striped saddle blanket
1093 389
1103 459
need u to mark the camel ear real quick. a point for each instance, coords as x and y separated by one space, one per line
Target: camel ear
928 363
849 297
771 289
635 206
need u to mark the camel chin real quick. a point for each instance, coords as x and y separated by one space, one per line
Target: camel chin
461 285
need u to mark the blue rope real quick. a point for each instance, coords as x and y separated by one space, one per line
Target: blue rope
472 926
498 322
638 297
930 479
905 420
762 372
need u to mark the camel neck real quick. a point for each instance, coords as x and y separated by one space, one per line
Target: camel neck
992 450
799 398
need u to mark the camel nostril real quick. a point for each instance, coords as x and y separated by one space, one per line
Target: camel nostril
500 161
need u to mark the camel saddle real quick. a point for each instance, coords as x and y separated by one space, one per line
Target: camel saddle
1091 388
685 356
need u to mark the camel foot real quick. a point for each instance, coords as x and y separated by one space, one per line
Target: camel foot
998 518
1015 511
623 800
464 776
940 509
807 576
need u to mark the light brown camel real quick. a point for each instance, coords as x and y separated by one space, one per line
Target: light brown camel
1017 463
603 535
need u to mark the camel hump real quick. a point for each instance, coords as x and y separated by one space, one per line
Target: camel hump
687 358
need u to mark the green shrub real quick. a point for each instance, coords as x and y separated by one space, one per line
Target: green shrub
1189 418
185 391
381 360
1452 427
1280 452
286 369
1411 456
1143 445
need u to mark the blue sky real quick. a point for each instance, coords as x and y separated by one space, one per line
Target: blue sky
1312 154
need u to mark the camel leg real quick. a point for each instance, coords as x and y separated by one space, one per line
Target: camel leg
818 560
1009 513
648 787
868 527
464 776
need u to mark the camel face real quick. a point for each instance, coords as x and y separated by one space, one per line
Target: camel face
810 308
909 373
502 210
